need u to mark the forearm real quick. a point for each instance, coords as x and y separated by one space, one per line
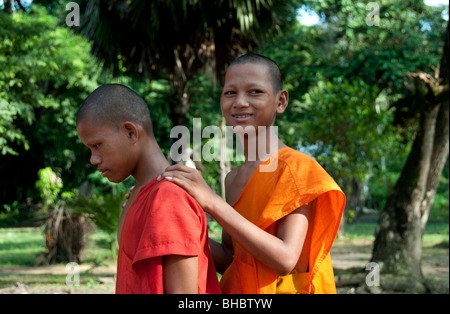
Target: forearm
221 255
265 247
280 252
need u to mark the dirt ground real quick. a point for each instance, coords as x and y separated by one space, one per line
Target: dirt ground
347 256
56 279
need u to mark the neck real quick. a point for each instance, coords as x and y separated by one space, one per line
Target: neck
258 147
152 164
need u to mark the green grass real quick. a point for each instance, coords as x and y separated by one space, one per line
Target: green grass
23 246
99 250
436 232
20 246
360 230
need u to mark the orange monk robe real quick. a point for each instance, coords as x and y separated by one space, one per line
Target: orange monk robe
297 180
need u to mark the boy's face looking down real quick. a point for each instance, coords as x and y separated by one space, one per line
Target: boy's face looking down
112 150
249 97
114 123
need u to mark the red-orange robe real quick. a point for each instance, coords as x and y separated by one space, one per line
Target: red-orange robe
297 179
163 220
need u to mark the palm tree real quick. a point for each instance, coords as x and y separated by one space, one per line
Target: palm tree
177 39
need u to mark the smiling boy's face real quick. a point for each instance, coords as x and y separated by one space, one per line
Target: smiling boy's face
248 97
110 149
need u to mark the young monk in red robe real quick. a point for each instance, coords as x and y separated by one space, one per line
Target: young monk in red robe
283 210
163 238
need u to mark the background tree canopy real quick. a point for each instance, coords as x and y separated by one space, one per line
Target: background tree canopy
46 71
359 94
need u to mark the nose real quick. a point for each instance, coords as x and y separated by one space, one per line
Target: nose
95 159
240 101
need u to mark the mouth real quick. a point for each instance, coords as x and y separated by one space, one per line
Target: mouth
242 117
104 172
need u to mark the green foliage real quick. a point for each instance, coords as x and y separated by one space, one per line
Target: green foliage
43 67
45 73
349 135
49 185
205 103
162 39
348 127
157 95
441 202
102 202
408 39
350 73
14 214
8 132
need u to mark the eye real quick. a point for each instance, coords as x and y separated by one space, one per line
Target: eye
229 93
255 91
96 146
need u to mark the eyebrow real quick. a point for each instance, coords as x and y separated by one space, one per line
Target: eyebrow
93 139
247 85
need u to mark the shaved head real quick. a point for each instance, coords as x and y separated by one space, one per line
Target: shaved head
113 104
272 68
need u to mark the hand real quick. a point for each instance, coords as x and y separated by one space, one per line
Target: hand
192 182
127 196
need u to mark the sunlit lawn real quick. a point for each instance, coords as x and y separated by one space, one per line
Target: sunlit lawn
22 248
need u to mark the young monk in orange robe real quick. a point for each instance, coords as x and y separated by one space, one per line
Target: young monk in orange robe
283 210
267 198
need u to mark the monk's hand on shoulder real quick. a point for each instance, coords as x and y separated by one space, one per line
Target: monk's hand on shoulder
192 182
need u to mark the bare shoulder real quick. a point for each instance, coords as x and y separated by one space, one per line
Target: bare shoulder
230 186
230 177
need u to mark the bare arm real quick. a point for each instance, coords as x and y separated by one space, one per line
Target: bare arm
222 253
180 274
280 252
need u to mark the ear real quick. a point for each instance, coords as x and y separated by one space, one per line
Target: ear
282 101
131 130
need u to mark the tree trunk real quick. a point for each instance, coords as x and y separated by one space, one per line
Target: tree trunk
182 73
65 233
179 107
398 243
8 6
224 164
